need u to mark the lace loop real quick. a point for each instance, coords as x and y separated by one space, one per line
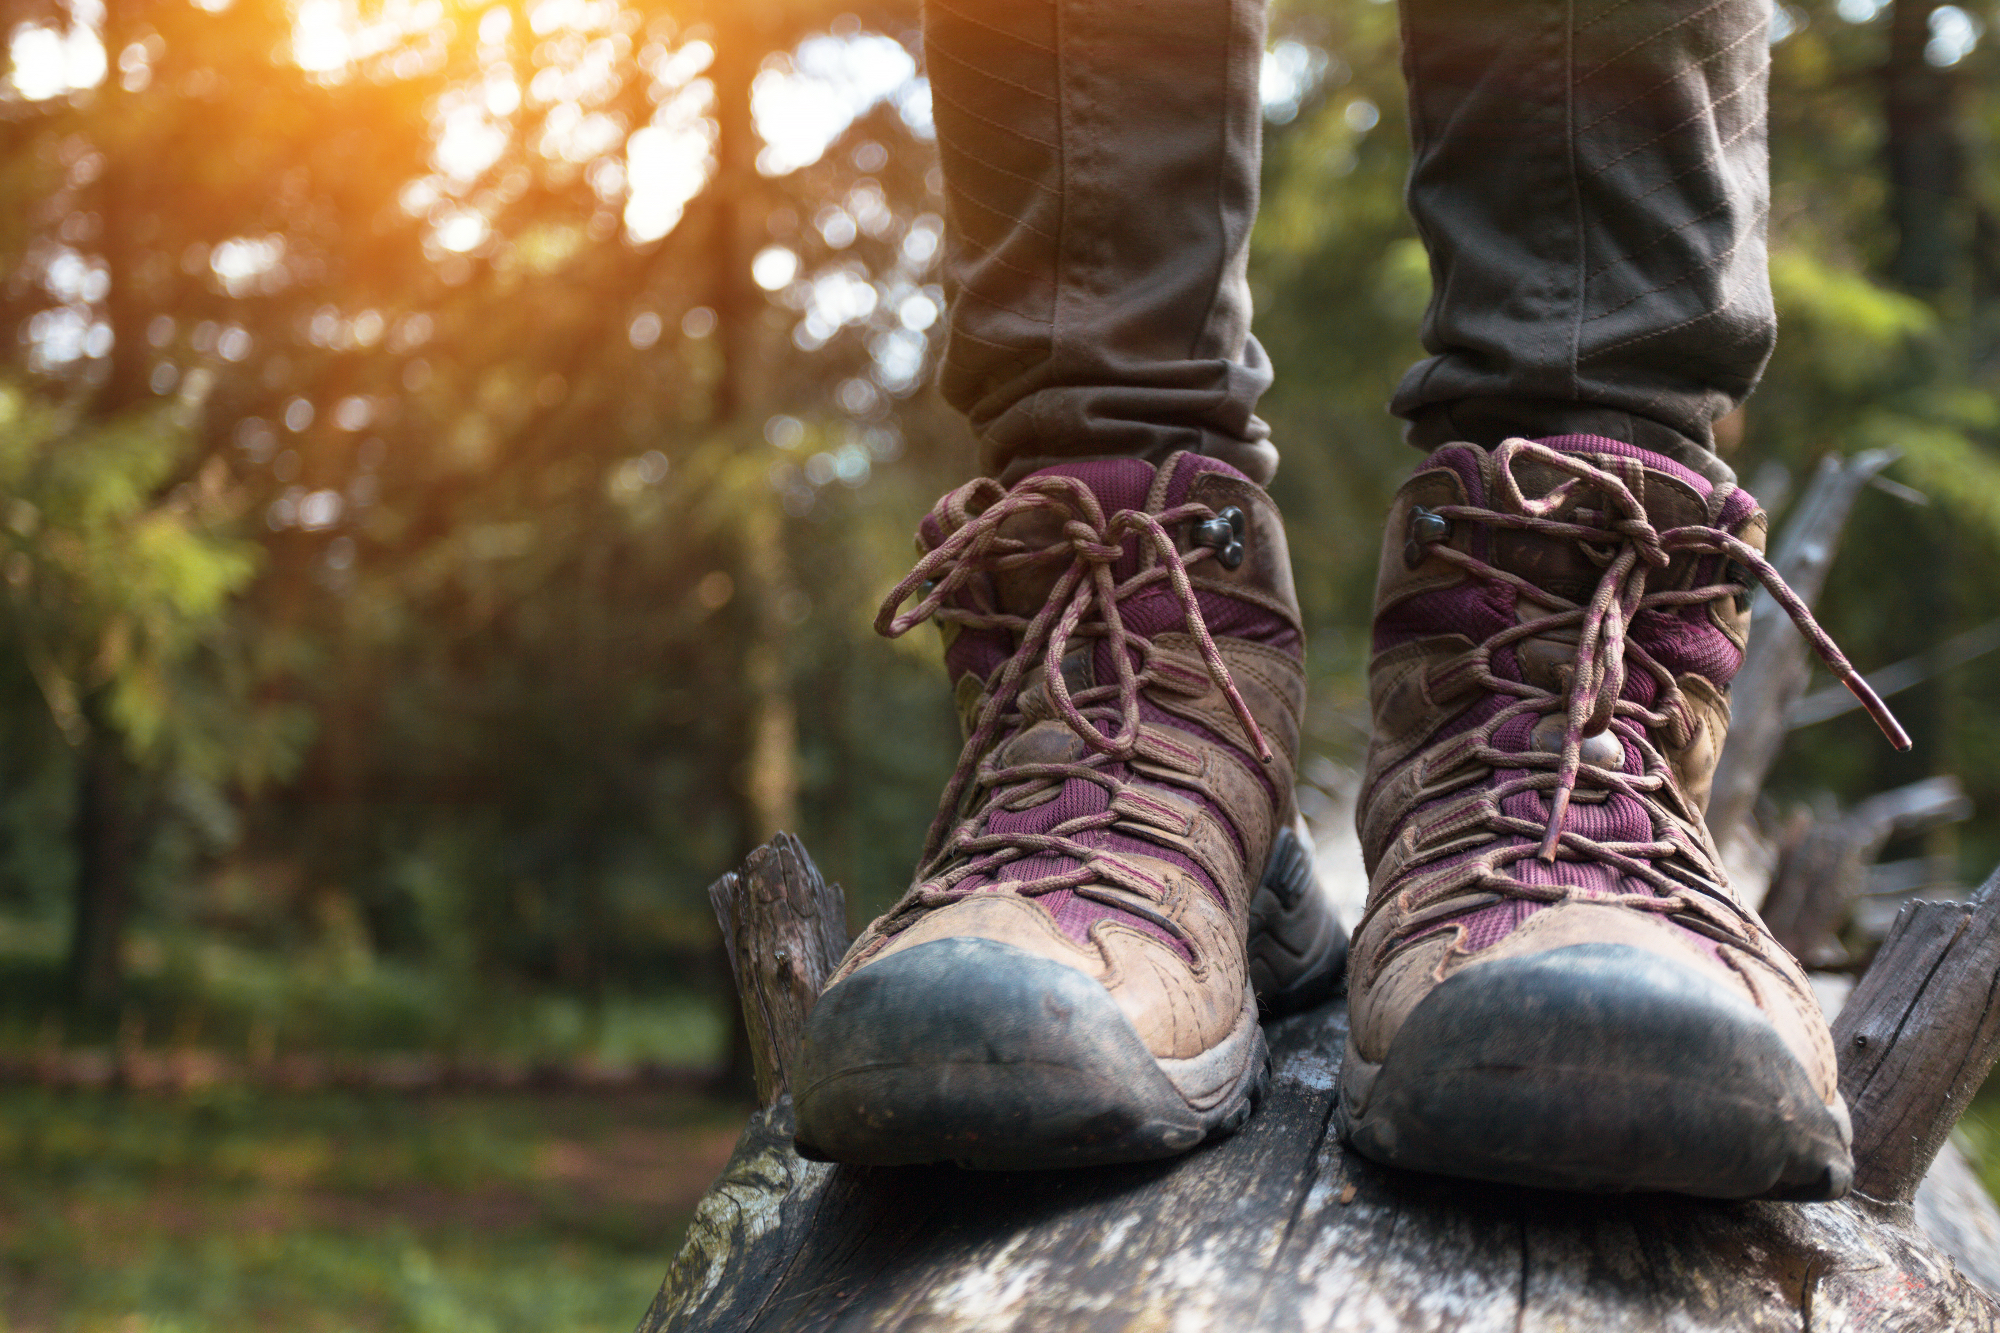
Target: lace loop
1592 698
1085 600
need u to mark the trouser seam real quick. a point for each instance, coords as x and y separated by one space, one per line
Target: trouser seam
1222 256
1721 308
964 17
1748 85
1701 266
1581 280
1685 19
1710 58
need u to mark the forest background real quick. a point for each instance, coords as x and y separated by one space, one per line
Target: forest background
450 455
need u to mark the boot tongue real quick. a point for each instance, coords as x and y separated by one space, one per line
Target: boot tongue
1673 496
1117 483
1024 591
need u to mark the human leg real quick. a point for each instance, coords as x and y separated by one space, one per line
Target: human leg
1553 983
1590 179
1115 877
1100 165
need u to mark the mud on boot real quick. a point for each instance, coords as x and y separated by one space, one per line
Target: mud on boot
1068 979
1553 983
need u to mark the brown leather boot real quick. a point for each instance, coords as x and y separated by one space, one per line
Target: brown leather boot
1553 984
1068 980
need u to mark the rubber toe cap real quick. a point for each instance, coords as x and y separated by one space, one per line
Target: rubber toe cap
1603 1068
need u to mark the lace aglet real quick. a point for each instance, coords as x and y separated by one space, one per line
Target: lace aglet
1878 710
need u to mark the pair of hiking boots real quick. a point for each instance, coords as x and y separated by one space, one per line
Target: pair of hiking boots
1552 984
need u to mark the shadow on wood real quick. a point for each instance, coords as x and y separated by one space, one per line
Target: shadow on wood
1281 1228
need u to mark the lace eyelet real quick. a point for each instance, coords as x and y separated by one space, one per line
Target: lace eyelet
1223 535
1427 528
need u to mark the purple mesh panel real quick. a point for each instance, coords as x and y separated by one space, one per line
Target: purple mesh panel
1736 510
1475 609
1076 915
977 651
1512 735
1077 799
1681 646
1489 925
1230 617
1158 610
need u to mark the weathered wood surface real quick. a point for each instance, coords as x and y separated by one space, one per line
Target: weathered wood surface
1918 1036
1776 666
1281 1228
785 928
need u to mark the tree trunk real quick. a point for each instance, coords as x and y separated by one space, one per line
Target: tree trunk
105 836
1926 162
1280 1227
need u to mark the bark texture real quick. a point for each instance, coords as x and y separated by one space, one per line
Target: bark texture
785 928
1280 1228
1918 1036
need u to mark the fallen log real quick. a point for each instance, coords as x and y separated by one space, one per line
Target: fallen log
1280 1227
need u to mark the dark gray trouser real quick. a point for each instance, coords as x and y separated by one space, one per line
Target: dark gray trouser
1589 178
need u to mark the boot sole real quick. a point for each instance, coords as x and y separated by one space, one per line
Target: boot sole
980 1053
1297 948
1597 1068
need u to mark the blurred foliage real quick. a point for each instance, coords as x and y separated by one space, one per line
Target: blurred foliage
448 462
441 326
227 1213
451 455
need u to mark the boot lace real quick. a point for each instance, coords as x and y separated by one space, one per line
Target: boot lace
1084 604
1623 541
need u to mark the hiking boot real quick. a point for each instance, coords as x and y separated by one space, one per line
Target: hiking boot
1553 984
1067 981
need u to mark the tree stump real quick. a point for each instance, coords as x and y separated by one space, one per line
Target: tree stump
1281 1228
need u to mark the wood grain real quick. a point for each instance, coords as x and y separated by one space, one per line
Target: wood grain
1918 1036
785 928
1280 1228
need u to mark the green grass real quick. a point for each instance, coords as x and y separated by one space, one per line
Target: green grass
233 1212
